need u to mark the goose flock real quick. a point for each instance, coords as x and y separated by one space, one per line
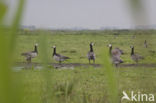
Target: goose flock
115 54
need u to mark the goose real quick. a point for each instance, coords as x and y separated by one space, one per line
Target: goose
116 60
58 57
115 55
135 57
133 37
31 54
115 52
145 44
91 55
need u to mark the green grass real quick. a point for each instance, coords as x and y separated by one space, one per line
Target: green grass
8 91
88 83
84 85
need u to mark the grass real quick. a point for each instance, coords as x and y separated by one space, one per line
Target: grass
85 85
7 44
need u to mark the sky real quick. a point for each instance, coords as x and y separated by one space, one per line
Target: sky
91 14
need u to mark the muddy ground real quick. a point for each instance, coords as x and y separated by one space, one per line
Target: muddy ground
74 65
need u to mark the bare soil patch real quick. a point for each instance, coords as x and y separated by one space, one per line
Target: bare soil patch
65 65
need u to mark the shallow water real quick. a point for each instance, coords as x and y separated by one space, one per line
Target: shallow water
19 68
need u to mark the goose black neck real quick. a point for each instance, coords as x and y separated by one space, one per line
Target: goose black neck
35 49
132 51
110 50
54 51
145 41
91 48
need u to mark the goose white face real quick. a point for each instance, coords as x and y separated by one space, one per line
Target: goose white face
110 45
54 46
36 44
131 46
92 44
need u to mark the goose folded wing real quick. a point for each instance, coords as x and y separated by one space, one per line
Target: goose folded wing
139 56
119 51
62 57
116 59
26 54
31 54
115 52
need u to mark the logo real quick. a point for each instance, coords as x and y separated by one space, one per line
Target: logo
140 97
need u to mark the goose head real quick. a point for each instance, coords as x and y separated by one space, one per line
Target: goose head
35 48
53 46
91 43
145 41
131 46
36 44
54 50
110 48
109 45
132 49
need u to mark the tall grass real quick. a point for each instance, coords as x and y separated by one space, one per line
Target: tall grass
111 77
8 93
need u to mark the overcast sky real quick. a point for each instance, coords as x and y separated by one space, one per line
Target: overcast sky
91 14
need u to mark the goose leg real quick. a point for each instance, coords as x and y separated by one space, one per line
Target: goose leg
116 65
59 62
89 61
136 61
145 46
28 59
94 61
